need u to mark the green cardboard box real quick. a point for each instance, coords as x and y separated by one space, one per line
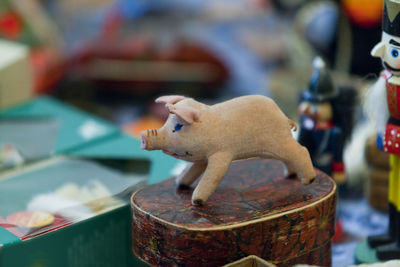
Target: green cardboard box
104 237
44 127
92 231
125 148
100 240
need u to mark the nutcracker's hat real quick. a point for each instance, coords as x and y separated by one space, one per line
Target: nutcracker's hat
320 87
391 18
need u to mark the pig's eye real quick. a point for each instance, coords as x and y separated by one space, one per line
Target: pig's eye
395 52
177 127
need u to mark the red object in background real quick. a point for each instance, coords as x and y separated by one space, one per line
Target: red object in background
364 13
25 233
10 227
48 67
10 25
137 64
59 222
338 232
30 219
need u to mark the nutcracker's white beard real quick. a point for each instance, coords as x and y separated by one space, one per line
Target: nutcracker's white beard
375 105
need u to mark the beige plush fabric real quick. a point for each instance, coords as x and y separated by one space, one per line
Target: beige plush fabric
211 137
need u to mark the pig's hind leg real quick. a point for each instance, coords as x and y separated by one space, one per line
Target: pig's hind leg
290 171
217 167
191 173
297 160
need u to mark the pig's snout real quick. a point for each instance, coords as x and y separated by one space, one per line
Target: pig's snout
150 139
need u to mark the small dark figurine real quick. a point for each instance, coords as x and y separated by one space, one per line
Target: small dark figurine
326 121
384 104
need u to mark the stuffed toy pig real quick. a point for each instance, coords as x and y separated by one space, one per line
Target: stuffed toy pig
211 137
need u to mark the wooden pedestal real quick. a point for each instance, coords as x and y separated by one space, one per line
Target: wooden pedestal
254 211
378 177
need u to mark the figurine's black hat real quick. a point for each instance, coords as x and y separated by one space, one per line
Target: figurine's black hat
320 87
391 18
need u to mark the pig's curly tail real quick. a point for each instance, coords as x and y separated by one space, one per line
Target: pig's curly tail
292 125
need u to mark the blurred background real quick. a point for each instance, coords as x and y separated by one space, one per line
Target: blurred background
112 58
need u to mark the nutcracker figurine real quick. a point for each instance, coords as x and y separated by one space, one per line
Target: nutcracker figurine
326 121
388 85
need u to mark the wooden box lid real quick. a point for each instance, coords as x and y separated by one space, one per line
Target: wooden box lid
254 211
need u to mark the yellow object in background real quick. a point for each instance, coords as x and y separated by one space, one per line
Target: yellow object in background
394 178
31 219
364 13
16 81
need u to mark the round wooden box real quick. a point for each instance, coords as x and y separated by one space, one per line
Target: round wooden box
254 211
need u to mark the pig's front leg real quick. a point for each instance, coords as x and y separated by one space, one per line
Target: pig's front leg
191 173
217 166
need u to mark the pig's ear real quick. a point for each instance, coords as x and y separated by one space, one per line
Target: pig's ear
188 114
170 99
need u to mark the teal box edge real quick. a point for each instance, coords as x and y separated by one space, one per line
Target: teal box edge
124 146
70 118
